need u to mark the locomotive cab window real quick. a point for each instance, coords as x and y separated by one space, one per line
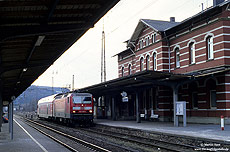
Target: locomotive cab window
81 99
87 100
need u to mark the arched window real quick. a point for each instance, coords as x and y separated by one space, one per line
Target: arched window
141 44
177 54
147 62
154 38
142 64
192 52
122 71
147 41
210 53
154 61
130 69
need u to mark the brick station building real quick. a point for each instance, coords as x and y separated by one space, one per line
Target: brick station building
198 47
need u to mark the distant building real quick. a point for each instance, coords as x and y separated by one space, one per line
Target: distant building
188 60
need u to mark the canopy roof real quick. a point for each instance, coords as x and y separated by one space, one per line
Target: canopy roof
35 33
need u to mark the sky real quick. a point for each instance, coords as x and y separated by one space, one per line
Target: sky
83 59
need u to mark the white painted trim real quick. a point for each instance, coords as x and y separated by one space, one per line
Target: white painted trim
184 60
164 97
222 57
163 110
200 55
226 92
183 66
153 50
163 103
223 101
184 95
209 34
181 54
201 94
214 109
202 101
201 35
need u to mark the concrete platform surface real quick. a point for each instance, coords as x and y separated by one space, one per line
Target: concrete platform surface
210 131
27 140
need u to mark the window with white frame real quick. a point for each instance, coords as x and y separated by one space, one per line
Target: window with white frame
154 61
147 41
141 44
210 53
192 52
147 62
130 69
177 53
154 38
142 64
122 71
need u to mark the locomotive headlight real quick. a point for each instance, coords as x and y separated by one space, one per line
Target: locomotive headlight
90 111
74 111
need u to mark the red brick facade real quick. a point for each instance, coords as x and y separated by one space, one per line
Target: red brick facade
215 87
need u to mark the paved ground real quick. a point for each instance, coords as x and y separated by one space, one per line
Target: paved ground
27 140
209 131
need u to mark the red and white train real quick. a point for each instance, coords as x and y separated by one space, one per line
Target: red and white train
67 108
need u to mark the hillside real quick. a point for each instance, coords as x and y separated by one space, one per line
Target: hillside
27 101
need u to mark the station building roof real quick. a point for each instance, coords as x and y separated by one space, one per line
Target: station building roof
36 33
170 28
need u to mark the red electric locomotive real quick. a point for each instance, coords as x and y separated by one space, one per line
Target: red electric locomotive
68 108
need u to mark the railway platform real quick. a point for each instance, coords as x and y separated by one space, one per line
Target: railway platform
26 139
208 131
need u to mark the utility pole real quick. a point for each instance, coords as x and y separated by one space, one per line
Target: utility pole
103 63
52 84
73 84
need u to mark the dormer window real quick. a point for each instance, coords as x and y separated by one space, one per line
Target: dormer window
147 41
122 71
154 38
130 69
141 44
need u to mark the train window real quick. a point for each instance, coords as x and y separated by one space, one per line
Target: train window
76 99
58 97
82 99
87 100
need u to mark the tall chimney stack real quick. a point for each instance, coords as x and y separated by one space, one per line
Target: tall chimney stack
172 19
217 2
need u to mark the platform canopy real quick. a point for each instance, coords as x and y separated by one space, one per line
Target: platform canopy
148 79
136 81
33 34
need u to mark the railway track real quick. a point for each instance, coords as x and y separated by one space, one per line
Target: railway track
76 145
149 142
81 145
124 139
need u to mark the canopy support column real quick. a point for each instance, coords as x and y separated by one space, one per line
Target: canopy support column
113 109
175 99
138 119
1 111
11 120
